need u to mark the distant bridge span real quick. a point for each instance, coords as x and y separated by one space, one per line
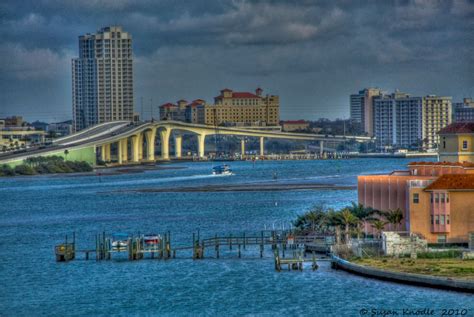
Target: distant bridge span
136 143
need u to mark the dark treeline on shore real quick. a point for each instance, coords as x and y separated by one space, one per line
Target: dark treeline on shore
45 165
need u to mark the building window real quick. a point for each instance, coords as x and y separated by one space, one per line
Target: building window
442 219
441 238
464 144
437 198
416 198
437 219
432 220
447 219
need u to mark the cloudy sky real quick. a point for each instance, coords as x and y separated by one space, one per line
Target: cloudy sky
311 53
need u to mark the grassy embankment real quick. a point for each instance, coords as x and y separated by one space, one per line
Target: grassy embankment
442 264
45 165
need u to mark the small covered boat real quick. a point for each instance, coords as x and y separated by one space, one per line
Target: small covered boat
222 170
119 241
151 239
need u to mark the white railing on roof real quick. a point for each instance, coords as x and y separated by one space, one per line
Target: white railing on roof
419 183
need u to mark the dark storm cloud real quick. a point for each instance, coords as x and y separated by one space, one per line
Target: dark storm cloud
312 53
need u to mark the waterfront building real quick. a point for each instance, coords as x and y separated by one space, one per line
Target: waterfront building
457 142
13 121
60 128
464 111
243 109
39 125
102 78
20 137
403 121
294 125
361 108
436 198
397 121
230 108
437 114
182 111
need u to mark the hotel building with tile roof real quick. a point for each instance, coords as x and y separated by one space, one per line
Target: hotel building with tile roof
436 198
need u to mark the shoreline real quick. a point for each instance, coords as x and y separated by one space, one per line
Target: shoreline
446 283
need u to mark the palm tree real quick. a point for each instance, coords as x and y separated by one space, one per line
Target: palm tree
347 219
378 225
66 152
394 217
363 213
313 220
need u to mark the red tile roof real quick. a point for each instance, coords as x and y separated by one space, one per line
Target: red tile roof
453 182
240 95
167 105
463 164
196 103
459 127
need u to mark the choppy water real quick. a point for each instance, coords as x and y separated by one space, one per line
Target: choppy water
36 213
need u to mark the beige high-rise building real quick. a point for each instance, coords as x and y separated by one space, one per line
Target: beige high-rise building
436 114
230 108
102 78
243 109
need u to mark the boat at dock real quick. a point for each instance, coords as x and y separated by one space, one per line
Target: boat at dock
151 239
119 242
222 170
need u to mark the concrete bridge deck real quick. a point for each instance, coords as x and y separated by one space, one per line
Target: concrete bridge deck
136 142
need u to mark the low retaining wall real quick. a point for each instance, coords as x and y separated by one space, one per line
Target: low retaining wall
407 278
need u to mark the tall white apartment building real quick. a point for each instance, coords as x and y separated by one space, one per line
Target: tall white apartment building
397 121
102 78
403 121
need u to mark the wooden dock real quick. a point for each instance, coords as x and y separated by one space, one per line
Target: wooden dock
282 242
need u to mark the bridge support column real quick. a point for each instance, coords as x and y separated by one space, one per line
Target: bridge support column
242 147
105 152
201 142
135 148
321 148
178 141
165 143
103 149
119 151
150 142
124 149
140 146
262 146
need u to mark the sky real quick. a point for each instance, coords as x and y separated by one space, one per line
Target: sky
313 54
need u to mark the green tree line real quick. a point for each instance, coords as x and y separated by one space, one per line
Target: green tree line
45 165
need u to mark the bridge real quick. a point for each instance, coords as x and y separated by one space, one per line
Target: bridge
136 142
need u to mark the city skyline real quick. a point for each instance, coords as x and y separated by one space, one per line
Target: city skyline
312 55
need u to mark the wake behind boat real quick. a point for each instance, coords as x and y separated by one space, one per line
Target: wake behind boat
222 170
